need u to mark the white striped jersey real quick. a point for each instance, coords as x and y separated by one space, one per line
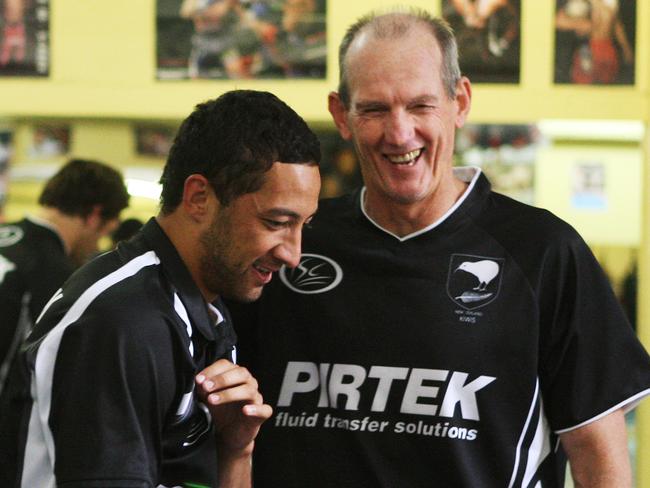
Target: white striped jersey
104 392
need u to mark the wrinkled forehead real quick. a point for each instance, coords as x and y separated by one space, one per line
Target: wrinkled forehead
374 62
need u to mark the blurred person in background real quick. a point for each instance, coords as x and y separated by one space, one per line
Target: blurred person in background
127 229
79 205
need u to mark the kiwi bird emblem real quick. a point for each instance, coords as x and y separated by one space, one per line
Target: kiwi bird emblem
485 271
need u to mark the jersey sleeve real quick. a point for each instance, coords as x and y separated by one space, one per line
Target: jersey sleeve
591 360
113 386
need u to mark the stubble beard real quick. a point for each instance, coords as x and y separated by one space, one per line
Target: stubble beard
220 275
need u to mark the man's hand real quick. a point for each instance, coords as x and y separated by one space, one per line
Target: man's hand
237 408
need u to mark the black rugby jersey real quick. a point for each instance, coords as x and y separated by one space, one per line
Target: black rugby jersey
33 265
105 393
452 357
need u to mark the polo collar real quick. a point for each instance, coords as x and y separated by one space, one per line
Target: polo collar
177 273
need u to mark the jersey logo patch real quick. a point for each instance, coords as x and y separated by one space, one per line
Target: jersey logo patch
474 281
9 235
5 267
314 274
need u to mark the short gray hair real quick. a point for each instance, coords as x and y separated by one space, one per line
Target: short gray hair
396 24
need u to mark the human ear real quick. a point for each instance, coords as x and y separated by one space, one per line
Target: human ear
339 114
463 100
197 194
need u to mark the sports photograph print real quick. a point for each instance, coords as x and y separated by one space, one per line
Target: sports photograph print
595 42
24 37
488 36
241 39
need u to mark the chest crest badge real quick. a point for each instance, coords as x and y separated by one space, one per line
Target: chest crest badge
474 281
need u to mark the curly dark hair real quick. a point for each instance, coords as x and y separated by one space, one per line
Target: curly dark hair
233 141
82 184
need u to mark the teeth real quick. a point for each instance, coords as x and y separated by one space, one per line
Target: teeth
409 157
262 269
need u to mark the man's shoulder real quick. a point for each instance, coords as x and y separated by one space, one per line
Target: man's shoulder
124 280
107 299
117 281
19 235
35 251
503 216
335 212
335 206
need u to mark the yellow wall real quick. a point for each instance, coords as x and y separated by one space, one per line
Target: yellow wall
619 222
103 77
643 414
103 65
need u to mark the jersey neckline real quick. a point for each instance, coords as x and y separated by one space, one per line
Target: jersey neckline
467 174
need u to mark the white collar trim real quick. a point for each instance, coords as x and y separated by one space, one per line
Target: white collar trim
215 314
468 174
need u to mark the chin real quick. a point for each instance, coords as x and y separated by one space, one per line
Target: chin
405 198
244 296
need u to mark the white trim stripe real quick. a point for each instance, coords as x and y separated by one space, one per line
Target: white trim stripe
539 448
515 468
463 173
184 405
214 310
58 294
217 313
182 313
626 405
40 444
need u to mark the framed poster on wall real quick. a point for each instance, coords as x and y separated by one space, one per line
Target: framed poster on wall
49 141
488 36
588 190
153 140
505 152
24 38
595 42
244 39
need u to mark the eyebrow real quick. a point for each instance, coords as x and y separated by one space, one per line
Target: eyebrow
281 212
365 104
285 212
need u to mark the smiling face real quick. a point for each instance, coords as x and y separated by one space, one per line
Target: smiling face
259 232
400 118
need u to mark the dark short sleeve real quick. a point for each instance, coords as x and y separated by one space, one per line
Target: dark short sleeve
591 360
114 383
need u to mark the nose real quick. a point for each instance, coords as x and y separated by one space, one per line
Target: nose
399 128
288 252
